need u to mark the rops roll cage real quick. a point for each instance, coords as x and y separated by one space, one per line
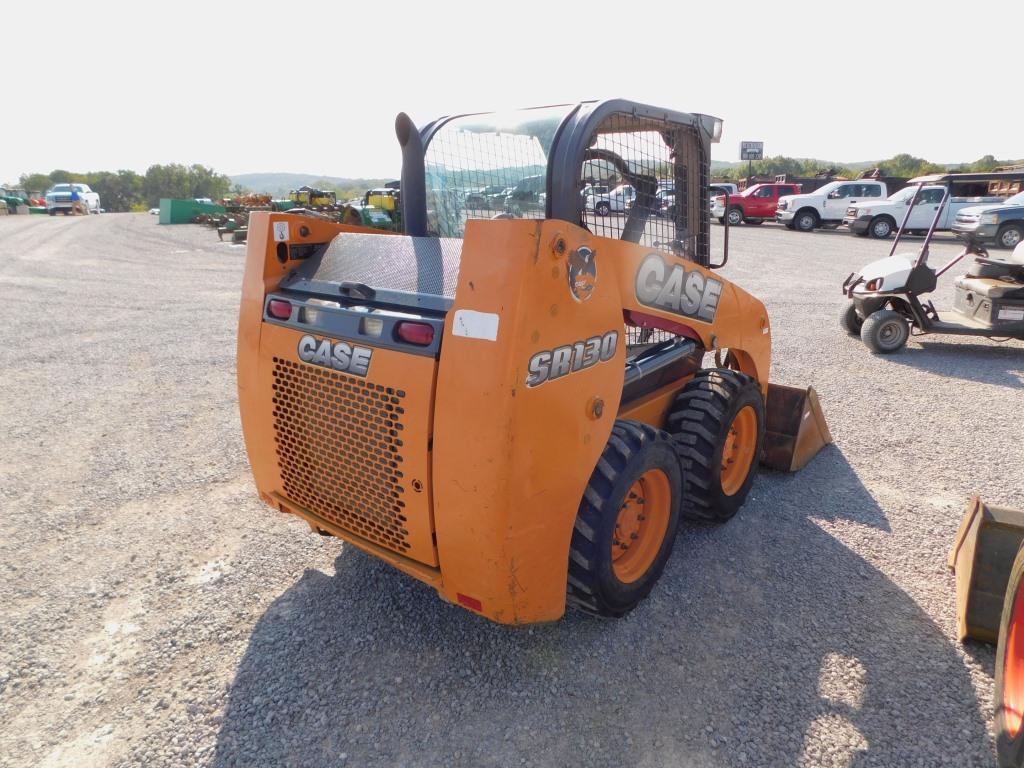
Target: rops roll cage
571 147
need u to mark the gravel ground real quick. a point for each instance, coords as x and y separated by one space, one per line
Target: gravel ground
155 613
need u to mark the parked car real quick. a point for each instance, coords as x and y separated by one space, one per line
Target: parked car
883 217
1001 225
753 205
484 197
524 197
58 198
617 201
826 206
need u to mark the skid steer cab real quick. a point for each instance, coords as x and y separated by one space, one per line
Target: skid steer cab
510 403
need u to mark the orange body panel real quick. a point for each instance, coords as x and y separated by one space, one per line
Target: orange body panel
509 461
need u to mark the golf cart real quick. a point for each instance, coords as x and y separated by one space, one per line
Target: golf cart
885 305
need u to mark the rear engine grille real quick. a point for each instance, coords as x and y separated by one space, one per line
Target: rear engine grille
339 450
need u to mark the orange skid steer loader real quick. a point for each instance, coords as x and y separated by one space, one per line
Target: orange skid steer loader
514 409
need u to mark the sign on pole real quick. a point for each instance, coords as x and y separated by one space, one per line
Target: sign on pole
751 150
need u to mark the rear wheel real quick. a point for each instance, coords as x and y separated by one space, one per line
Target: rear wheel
717 424
1009 693
885 331
627 521
602 209
849 320
1010 235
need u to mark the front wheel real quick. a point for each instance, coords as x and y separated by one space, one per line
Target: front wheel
735 217
881 227
626 524
602 209
1010 235
717 424
849 320
885 331
805 221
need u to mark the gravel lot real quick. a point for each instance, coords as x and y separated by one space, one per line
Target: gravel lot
155 613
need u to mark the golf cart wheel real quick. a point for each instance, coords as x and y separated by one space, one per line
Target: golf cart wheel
735 217
1009 692
602 209
881 227
717 425
885 331
1010 235
805 221
627 521
849 320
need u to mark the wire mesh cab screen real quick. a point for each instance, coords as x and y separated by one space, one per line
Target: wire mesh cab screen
642 180
483 166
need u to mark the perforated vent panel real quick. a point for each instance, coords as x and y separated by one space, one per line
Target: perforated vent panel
339 449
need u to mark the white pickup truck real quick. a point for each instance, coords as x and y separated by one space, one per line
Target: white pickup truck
58 198
826 206
880 219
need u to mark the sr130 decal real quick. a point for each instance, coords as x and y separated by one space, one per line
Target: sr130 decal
569 358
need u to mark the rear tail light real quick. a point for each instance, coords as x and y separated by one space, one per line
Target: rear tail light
421 334
277 308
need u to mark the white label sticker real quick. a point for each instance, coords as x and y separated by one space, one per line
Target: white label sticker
475 325
1011 314
280 231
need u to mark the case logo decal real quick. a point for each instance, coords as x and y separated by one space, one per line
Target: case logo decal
339 355
673 288
582 273
558 362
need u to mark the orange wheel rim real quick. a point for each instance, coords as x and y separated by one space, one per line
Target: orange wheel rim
1013 667
738 452
641 525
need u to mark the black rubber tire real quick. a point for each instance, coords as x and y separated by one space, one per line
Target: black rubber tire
876 330
805 221
721 220
699 422
735 216
1013 232
753 222
633 449
849 320
1009 749
52 211
602 209
789 224
881 227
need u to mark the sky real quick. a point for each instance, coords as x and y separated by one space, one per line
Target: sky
314 87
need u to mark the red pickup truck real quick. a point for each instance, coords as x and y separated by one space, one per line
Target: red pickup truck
753 205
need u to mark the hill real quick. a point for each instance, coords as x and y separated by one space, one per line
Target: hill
279 184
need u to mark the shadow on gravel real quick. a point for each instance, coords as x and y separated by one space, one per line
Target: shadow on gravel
972 362
766 643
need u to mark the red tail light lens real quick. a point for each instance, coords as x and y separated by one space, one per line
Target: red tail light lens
282 310
421 334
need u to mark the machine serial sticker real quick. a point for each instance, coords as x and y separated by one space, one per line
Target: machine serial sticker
339 355
280 231
673 288
1011 314
475 325
558 362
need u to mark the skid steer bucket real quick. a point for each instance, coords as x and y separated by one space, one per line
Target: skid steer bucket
982 557
795 428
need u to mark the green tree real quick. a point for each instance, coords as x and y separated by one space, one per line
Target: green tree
35 182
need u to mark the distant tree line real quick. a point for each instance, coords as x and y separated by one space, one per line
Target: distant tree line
901 165
128 191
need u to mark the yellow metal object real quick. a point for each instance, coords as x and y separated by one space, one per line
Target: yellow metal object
795 428
641 526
